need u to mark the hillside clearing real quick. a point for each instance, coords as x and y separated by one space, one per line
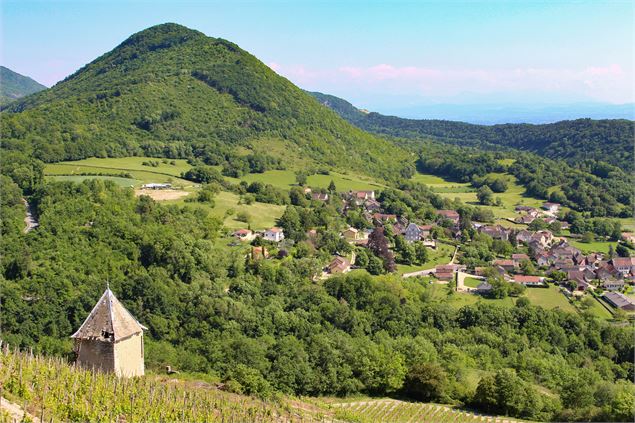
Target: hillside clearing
162 194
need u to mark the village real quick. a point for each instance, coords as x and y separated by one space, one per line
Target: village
539 257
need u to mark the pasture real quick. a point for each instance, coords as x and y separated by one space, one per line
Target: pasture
514 195
442 255
123 182
549 298
114 167
285 179
226 207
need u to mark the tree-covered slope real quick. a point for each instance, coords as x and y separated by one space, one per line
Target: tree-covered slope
172 91
610 141
14 86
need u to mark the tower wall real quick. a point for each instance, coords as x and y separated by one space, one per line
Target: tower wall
128 356
95 354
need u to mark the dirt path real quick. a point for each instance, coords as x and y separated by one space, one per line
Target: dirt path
15 411
162 194
29 220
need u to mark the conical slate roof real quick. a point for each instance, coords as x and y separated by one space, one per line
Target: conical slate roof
108 321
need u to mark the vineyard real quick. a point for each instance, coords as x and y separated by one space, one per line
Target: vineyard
389 410
50 390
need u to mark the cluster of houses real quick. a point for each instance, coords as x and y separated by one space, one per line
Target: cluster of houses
547 251
274 234
548 212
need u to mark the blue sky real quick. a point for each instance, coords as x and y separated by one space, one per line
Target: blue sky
378 54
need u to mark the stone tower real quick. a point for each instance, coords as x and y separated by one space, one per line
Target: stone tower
110 339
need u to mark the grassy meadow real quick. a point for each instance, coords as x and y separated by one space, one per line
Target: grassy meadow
442 255
226 207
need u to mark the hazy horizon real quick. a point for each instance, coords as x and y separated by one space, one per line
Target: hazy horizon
393 60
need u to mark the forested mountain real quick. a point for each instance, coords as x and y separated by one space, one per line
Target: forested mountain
171 91
609 141
14 86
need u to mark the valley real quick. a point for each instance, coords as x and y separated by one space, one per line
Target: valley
292 258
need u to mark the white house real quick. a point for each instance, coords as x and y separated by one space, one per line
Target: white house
274 234
551 207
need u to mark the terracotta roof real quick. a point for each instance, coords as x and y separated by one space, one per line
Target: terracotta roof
520 257
274 229
451 214
623 261
108 321
528 279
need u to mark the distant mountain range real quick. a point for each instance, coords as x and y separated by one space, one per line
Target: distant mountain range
491 114
14 86
610 141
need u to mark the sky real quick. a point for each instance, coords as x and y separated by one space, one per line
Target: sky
379 55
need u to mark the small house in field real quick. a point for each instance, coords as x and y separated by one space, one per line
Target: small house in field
445 272
530 280
274 234
339 265
258 253
551 207
319 196
110 339
156 186
244 235
506 264
352 234
451 215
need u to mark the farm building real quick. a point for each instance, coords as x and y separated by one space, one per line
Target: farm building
156 186
619 300
110 339
274 234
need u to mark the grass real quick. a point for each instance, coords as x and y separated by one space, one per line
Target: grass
628 224
514 195
598 310
441 255
285 179
472 282
115 167
124 182
549 298
592 247
262 215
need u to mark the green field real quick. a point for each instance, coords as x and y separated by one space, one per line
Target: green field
442 255
549 298
467 194
598 310
115 166
592 247
286 178
262 215
472 282
124 182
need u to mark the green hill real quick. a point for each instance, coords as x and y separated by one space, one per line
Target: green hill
172 91
14 86
610 141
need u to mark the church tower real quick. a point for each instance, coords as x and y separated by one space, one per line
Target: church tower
110 339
